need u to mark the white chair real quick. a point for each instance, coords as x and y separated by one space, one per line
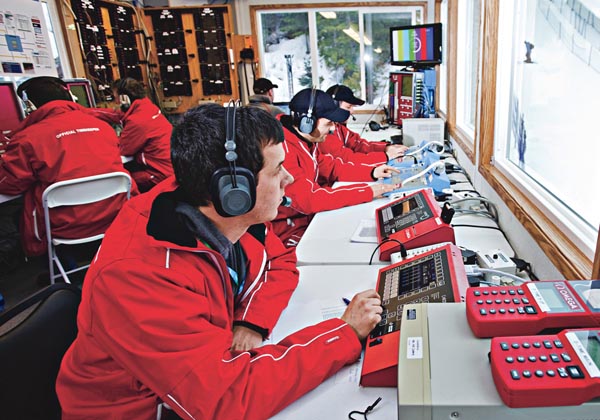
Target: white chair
75 192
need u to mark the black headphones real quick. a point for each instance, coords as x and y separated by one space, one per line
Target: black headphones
335 91
232 189
307 121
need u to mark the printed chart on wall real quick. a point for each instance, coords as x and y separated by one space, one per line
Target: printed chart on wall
25 48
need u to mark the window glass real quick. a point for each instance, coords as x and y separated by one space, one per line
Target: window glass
352 47
443 99
285 48
467 49
550 104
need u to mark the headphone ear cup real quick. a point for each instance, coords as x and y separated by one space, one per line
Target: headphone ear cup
229 200
307 124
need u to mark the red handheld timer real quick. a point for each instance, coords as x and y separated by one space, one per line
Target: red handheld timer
547 370
533 307
414 221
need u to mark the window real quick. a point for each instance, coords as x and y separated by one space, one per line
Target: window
443 70
467 48
538 137
300 48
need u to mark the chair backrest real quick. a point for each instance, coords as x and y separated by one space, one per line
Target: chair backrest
31 352
89 189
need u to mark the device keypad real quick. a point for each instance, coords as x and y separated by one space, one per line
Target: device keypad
526 360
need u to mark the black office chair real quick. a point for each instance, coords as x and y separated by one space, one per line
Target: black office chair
31 351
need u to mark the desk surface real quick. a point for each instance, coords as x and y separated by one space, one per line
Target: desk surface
379 135
318 297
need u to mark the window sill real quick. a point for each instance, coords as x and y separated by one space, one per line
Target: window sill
463 140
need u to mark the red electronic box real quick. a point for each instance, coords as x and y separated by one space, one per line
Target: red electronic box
437 275
533 307
414 221
547 370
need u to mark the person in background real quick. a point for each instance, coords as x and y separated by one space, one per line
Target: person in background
347 144
146 134
263 96
177 277
56 142
314 115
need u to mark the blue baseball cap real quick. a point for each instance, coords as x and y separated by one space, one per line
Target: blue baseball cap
323 105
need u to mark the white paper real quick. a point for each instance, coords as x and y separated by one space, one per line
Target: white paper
366 232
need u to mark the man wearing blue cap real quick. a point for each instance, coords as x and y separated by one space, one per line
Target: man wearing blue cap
314 115
347 144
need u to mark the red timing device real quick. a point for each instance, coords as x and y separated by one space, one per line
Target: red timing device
533 307
547 370
414 221
437 275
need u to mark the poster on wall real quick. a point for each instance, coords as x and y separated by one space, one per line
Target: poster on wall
25 48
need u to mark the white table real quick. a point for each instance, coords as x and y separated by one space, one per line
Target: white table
318 297
327 238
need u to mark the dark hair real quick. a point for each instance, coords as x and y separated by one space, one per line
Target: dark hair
130 87
198 145
43 89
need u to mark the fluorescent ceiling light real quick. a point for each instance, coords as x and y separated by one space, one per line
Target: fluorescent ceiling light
354 35
328 15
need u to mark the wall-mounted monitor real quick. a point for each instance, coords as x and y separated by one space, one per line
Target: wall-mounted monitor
12 111
81 89
416 45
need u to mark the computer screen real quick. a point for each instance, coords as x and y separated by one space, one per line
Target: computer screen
10 104
82 90
416 44
284 106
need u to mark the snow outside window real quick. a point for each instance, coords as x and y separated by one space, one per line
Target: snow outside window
548 97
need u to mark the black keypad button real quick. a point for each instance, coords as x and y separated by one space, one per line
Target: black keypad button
502 292
498 301
512 292
558 344
492 311
483 312
504 346
511 310
554 358
532 358
515 375
575 372
520 292
520 310
516 301
515 345
489 301
539 373
507 301
566 357
494 292
547 344
486 292
551 373
543 358
502 310
562 372
477 293
537 344
526 374
510 359
525 301
526 345
530 310
480 302
521 359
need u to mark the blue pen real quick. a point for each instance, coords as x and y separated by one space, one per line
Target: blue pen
346 301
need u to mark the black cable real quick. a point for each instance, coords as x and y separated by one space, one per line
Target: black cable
403 251
364 413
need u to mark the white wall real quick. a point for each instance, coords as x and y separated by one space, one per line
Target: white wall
522 242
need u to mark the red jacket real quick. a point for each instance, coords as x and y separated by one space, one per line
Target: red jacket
146 135
349 146
155 325
55 143
314 173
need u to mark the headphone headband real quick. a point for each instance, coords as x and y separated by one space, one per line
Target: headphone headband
311 103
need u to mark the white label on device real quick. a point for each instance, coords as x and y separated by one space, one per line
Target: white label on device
414 348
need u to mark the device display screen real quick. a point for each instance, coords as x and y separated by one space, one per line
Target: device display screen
426 279
403 214
407 85
589 292
586 344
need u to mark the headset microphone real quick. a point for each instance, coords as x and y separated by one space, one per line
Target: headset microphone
353 117
286 201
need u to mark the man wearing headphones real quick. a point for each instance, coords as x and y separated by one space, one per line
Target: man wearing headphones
146 133
347 144
56 142
187 266
314 115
